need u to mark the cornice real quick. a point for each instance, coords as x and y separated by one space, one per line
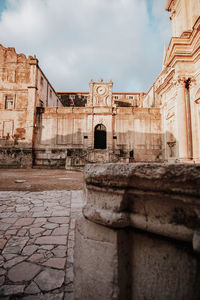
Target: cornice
184 47
168 5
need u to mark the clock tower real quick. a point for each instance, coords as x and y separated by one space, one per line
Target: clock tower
100 93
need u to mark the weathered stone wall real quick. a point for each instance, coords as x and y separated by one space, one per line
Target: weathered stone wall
17 107
69 133
183 15
139 235
46 95
23 87
176 90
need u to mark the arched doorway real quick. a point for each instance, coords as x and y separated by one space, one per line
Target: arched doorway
100 137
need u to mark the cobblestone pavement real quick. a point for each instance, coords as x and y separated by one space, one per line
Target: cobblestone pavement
36 244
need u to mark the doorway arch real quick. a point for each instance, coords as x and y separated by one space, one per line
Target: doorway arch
100 137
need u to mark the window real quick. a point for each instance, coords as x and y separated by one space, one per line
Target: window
9 102
130 97
116 97
100 137
41 80
50 93
131 154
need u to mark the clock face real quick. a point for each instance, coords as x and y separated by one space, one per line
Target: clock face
101 90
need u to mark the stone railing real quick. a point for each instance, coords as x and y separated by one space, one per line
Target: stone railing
139 236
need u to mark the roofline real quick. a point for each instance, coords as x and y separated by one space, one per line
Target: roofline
72 92
128 93
115 93
46 79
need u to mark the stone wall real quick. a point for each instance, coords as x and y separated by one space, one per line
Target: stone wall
68 133
176 89
17 107
139 234
23 87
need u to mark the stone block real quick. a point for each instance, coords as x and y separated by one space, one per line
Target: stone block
95 262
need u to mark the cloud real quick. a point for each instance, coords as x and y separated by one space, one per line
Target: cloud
76 40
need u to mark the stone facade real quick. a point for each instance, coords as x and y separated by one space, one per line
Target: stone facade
23 89
177 88
132 133
73 129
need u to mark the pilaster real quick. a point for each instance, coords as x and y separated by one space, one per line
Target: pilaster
181 120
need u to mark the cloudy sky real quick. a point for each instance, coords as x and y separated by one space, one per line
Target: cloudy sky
79 40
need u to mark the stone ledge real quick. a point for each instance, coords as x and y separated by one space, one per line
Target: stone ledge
159 198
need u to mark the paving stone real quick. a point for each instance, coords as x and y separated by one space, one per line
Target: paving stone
46 253
50 225
69 296
31 241
40 221
69 288
14 261
70 255
15 245
9 220
12 249
62 240
38 209
60 231
60 252
60 213
1 260
2 243
52 220
4 226
32 288
11 231
29 250
24 221
2 279
2 271
37 257
47 247
58 263
9 256
34 231
33 297
41 214
50 279
22 232
23 271
47 232
59 220
69 275
53 296
11 290
70 244
22 208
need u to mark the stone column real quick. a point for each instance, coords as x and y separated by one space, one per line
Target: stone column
181 120
138 237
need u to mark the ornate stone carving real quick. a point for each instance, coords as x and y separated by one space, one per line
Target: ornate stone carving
100 93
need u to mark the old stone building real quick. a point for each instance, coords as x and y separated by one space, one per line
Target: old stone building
43 128
177 89
24 91
106 127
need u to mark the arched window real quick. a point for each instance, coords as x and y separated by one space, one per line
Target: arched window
100 137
